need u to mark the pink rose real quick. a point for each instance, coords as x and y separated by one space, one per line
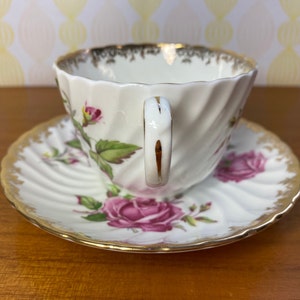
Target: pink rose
238 167
91 115
146 214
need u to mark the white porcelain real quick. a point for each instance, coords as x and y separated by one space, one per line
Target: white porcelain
48 179
105 90
158 132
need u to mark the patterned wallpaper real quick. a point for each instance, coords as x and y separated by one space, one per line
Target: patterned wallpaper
34 32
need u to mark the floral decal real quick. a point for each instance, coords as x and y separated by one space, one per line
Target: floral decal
143 213
239 167
69 156
104 152
91 115
125 211
139 213
111 152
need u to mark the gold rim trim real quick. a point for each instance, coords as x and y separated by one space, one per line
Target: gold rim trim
248 64
284 204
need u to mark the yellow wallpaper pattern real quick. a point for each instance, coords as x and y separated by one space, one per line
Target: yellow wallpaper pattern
145 29
34 32
71 32
285 68
219 31
10 68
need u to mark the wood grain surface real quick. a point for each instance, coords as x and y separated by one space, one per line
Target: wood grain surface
37 265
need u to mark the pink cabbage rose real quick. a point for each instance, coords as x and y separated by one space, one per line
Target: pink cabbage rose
238 167
146 214
91 115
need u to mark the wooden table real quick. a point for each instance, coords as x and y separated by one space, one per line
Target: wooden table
37 265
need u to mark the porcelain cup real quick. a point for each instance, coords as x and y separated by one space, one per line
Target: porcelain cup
154 119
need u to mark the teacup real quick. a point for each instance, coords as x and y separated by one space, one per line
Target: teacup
154 120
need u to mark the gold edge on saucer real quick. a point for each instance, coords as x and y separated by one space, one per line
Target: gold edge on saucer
293 167
10 183
9 179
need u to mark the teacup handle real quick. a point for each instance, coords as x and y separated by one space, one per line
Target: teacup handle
157 140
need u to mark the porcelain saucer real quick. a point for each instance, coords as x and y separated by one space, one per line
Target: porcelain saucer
47 178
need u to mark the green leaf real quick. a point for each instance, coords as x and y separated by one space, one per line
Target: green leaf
55 152
75 143
179 227
205 220
190 220
204 207
105 167
65 99
193 207
64 96
79 127
115 151
100 217
90 202
113 190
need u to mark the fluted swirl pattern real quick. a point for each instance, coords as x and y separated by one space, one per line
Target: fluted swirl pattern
46 191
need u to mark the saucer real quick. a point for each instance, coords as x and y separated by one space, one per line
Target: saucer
47 178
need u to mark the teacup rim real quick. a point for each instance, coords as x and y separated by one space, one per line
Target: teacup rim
252 64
